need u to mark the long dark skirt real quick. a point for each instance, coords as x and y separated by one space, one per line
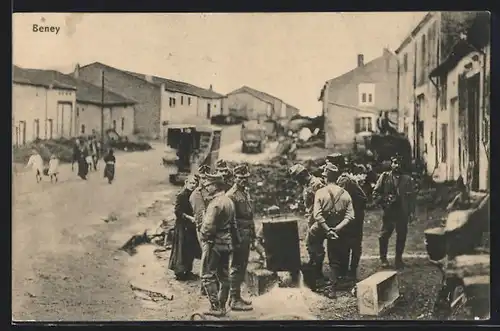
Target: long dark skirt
83 168
185 248
109 172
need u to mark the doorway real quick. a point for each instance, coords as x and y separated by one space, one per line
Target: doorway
209 108
64 116
419 148
473 139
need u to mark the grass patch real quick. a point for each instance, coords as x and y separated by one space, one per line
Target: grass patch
62 147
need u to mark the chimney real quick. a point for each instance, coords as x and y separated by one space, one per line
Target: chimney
361 60
76 72
148 78
210 88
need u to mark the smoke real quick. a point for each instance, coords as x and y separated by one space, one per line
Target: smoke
72 21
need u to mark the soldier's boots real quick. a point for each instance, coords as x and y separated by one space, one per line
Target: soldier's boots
237 303
216 308
399 264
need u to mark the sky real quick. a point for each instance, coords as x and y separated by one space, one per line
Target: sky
288 55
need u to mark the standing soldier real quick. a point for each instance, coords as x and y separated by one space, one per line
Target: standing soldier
310 184
355 229
333 212
218 234
395 192
198 201
222 167
246 227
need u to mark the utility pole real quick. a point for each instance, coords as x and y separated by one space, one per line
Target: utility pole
102 108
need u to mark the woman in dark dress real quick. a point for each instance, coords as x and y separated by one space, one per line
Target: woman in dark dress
83 168
109 169
185 246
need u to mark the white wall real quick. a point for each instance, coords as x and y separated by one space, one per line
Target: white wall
30 103
188 109
90 117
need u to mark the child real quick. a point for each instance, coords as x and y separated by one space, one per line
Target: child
109 169
36 162
53 168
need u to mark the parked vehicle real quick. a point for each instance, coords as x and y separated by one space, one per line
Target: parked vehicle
188 147
253 137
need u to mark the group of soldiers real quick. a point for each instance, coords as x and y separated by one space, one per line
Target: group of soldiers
335 210
214 209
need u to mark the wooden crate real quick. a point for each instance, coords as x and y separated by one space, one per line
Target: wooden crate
377 293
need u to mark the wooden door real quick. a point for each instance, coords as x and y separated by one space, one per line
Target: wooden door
64 119
473 139
208 110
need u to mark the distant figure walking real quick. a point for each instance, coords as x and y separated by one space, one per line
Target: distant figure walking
36 163
83 167
53 168
109 169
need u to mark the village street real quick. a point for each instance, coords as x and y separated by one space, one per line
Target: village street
64 255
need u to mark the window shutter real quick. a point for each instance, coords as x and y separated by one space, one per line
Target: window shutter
357 125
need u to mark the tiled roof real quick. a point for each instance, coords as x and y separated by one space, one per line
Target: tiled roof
85 92
266 97
38 78
179 87
170 85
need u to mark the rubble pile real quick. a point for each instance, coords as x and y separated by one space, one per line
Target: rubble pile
270 185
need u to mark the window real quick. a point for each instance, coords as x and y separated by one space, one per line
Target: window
171 102
189 101
123 124
443 87
36 129
423 52
114 124
444 142
432 138
182 99
82 129
366 93
77 111
363 124
405 62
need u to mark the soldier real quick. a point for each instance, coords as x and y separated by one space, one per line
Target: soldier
395 192
218 234
355 229
246 226
222 167
333 212
310 184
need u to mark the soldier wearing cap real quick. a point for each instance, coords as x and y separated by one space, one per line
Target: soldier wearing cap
238 193
395 192
197 199
310 184
219 235
222 167
354 230
332 213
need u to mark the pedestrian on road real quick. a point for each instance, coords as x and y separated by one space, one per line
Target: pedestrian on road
310 185
185 246
36 163
94 152
395 192
219 235
53 168
109 168
76 154
354 231
83 166
333 212
246 227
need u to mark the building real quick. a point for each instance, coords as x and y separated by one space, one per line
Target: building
428 44
463 85
42 107
160 101
353 101
253 104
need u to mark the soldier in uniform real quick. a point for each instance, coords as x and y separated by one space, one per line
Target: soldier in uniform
246 226
354 230
218 234
310 184
222 167
395 192
332 213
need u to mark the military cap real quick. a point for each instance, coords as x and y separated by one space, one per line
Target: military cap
396 158
203 170
297 169
241 171
329 168
337 159
213 178
221 165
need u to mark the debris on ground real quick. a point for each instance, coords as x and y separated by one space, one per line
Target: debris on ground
152 293
112 217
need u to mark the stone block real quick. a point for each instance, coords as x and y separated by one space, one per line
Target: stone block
377 293
259 280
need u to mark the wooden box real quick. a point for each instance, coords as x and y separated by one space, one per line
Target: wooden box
377 293
282 244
